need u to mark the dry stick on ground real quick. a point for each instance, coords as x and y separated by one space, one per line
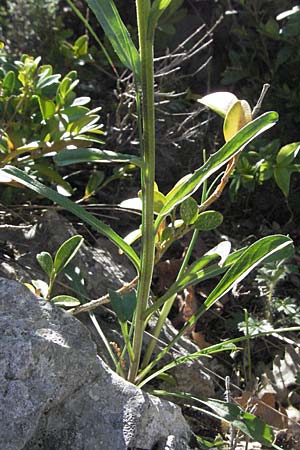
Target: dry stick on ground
102 300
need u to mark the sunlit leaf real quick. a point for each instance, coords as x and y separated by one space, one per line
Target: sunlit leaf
66 252
208 220
236 118
219 102
287 154
80 155
189 210
253 256
47 107
115 30
46 262
217 160
65 300
157 9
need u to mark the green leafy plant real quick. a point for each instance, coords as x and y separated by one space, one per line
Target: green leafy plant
53 267
41 116
167 217
263 43
254 165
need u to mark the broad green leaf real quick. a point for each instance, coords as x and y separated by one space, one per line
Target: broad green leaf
46 81
236 118
117 33
65 300
123 305
46 262
80 155
219 102
9 82
159 200
66 252
287 154
21 177
81 45
189 210
47 107
282 177
208 220
217 160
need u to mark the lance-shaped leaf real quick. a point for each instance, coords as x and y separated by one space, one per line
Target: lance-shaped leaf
80 155
198 271
20 176
275 247
117 33
217 160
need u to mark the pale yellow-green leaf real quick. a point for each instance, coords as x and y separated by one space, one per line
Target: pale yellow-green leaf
236 118
219 102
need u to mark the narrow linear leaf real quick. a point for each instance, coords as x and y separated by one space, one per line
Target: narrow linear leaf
198 272
248 423
270 246
81 155
192 356
66 252
115 30
18 175
217 160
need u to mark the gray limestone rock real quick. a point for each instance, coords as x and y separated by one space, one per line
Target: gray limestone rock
56 394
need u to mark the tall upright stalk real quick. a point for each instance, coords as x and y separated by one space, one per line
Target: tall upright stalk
147 180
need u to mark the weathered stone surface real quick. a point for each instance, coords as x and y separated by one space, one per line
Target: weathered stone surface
56 394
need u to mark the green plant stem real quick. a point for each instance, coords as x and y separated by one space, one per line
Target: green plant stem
126 337
248 346
147 181
169 303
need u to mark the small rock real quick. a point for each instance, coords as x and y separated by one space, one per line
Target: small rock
56 394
